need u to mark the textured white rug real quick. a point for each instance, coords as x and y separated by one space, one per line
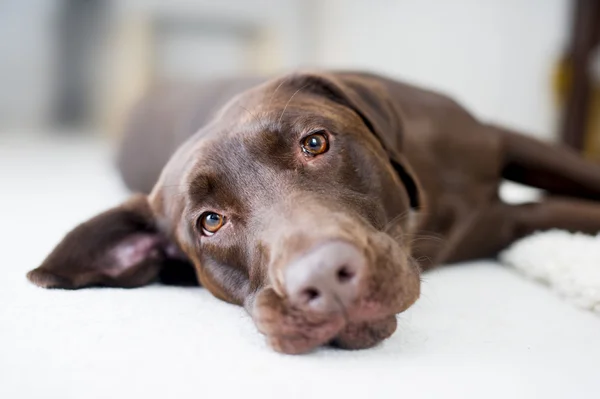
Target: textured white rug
480 330
567 263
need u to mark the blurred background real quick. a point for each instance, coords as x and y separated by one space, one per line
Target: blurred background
70 71
73 68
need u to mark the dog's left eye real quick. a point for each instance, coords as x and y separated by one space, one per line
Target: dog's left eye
315 144
211 222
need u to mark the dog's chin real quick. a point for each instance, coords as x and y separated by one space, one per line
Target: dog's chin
292 331
363 335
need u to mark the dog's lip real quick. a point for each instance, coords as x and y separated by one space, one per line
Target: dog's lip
370 311
367 312
329 332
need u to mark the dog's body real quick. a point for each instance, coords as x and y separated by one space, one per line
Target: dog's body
330 192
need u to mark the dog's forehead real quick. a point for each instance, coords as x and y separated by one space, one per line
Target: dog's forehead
237 155
275 100
253 119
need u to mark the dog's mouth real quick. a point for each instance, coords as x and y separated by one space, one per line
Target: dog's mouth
390 286
292 331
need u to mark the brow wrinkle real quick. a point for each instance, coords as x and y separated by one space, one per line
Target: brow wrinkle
288 103
261 124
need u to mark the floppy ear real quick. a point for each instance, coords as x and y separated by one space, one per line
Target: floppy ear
121 247
370 98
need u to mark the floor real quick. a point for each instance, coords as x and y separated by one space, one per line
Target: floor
479 329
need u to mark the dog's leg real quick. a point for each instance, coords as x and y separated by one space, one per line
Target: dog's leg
496 227
555 213
572 185
556 169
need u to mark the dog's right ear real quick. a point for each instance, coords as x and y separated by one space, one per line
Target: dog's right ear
121 247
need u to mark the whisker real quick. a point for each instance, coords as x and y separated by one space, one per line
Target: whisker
263 126
343 308
174 185
276 89
288 103
426 237
424 257
396 219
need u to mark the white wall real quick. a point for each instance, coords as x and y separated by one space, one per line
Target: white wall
495 56
27 61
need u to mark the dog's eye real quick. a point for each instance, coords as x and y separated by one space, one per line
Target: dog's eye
211 222
315 144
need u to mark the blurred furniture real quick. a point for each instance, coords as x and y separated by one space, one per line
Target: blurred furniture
579 125
163 47
80 64
81 28
154 42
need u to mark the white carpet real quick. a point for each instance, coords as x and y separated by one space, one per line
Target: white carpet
479 331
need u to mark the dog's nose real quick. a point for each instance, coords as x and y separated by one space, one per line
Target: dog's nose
327 278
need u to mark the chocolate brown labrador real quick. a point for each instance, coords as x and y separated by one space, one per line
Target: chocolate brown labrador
316 199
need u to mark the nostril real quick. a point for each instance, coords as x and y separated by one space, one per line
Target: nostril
310 294
344 274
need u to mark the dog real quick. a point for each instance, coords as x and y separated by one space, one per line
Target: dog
316 200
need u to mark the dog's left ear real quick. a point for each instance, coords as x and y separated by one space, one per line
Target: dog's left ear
121 247
370 98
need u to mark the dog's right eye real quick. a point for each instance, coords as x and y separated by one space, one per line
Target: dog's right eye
210 223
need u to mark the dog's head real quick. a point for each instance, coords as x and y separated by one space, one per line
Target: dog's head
293 202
